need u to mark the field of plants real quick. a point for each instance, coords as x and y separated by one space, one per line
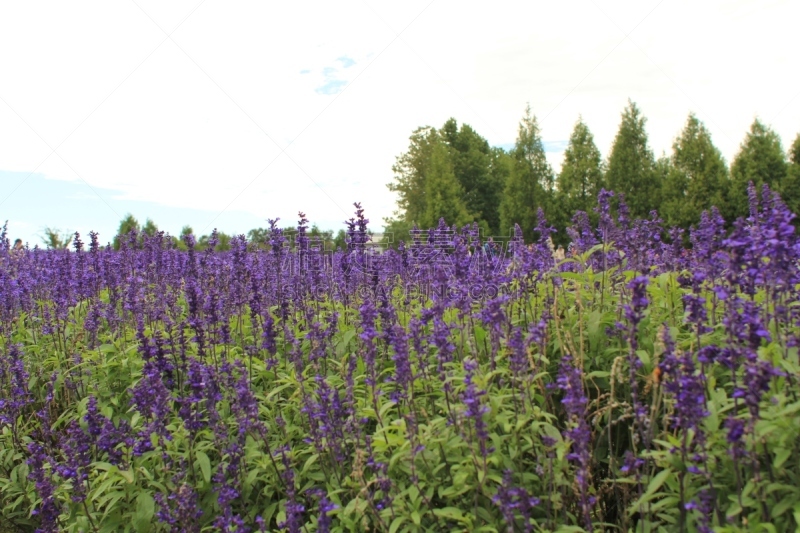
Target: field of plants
640 384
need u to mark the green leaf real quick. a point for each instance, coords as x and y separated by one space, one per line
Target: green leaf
309 462
657 481
396 523
205 465
782 506
781 455
145 508
454 513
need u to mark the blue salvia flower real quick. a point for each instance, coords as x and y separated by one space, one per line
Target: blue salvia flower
294 509
77 454
180 510
12 368
403 375
475 409
634 313
368 336
512 500
152 399
48 510
325 506
107 437
686 386
574 401
382 482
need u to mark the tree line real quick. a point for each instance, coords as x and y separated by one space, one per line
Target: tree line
130 227
453 173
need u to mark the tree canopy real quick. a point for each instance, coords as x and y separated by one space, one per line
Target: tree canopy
530 182
631 165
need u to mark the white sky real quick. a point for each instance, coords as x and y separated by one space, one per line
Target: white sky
247 110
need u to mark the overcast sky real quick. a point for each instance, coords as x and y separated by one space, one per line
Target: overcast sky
222 114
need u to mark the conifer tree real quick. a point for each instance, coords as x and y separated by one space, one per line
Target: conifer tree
530 182
673 209
581 177
149 228
631 165
695 179
761 159
126 225
790 191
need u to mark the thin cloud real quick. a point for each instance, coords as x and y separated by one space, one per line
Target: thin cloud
333 83
346 62
331 87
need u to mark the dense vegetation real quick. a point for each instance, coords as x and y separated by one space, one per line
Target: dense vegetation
443 386
452 172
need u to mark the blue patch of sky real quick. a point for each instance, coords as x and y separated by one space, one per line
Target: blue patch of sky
332 83
346 62
549 146
305 71
71 206
331 87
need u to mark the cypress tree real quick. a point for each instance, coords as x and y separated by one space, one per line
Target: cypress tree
530 181
790 191
631 165
581 177
696 178
761 159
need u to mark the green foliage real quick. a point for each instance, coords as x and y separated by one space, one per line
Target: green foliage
760 160
449 163
54 239
790 188
126 226
149 228
410 174
530 183
444 196
223 241
580 179
631 166
696 177
438 480
473 165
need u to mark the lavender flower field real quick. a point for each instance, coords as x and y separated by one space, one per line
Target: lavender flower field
637 385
